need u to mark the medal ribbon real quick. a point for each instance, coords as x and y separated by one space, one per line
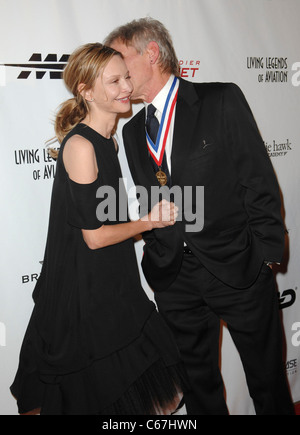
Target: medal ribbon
157 150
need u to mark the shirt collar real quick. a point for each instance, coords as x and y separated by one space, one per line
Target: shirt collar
160 99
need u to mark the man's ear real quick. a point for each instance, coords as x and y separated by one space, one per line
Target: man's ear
153 52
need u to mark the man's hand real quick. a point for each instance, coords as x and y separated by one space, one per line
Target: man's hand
163 214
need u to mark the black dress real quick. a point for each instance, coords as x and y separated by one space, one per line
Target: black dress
95 343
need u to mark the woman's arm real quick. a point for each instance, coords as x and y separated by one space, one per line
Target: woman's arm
162 215
81 165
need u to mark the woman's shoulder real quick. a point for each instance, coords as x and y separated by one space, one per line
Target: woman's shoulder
78 144
79 159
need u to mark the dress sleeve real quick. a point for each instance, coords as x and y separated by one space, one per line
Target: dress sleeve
82 205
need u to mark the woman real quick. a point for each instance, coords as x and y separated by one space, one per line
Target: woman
95 343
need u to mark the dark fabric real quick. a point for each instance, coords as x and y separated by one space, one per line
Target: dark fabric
152 123
217 145
89 304
193 307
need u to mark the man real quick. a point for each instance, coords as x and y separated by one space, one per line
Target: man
205 135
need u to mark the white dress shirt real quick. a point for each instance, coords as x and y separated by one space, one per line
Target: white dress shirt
159 102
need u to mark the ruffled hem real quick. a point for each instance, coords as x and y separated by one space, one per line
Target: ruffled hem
157 392
143 378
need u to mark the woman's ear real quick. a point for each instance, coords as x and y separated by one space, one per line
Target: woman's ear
86 94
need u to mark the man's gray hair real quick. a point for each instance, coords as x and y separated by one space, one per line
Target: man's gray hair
139 33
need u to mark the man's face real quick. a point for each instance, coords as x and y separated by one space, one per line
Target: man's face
139 68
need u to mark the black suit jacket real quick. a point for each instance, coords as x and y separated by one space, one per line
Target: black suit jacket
217 145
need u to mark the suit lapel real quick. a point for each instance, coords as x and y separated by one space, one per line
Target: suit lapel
187 115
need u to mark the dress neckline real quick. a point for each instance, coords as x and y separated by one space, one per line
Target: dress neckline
85 126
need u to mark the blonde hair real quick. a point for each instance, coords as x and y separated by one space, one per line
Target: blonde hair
84 67
140 32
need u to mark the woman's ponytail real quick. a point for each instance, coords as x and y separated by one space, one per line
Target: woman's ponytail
70 113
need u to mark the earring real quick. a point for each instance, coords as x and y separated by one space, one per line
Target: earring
91 101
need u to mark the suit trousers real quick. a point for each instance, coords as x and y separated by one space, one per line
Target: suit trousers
193 307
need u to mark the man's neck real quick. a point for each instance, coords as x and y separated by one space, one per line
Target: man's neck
155 86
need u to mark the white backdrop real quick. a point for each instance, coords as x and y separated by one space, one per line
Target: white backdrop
252 43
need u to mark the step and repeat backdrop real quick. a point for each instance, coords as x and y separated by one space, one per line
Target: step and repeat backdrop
255 44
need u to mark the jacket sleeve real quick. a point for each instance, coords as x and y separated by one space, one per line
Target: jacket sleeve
255 174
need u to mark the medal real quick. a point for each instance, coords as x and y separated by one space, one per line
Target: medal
162 178
157 149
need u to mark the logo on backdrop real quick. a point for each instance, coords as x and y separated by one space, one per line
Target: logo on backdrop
31 277
296 74
189 68
274 70
276 148
42 164
270 69
287 298
51 66
296 335
291 367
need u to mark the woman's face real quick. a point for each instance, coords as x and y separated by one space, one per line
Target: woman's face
113 88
